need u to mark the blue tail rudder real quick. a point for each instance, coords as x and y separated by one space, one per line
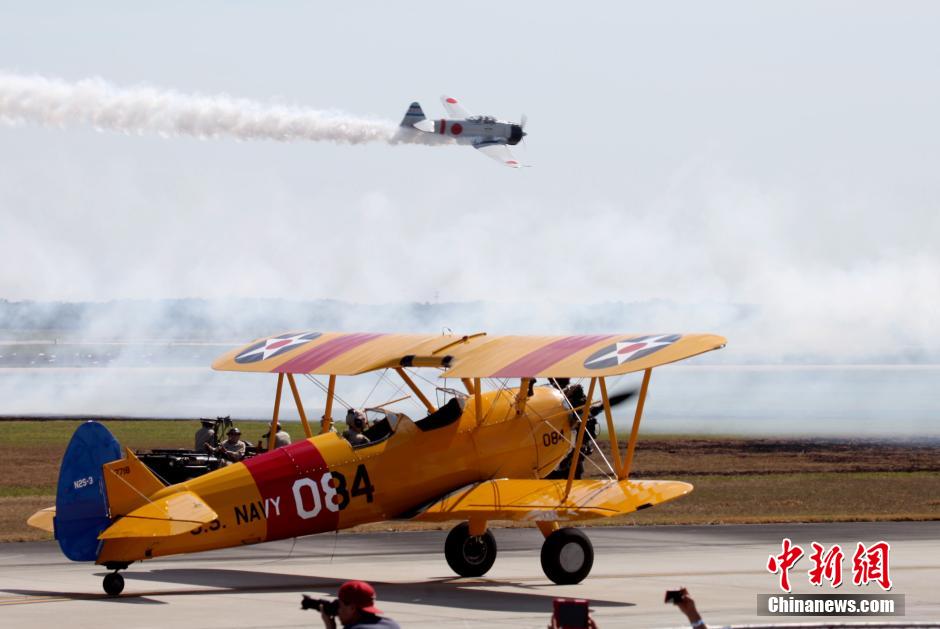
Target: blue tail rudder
81 499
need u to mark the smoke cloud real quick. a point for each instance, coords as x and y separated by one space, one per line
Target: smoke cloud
144 109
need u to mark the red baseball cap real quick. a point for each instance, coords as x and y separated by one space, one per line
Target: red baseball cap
359 594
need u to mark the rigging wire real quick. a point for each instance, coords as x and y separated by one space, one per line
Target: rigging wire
596 446
374 386
326 390
571 441
398 387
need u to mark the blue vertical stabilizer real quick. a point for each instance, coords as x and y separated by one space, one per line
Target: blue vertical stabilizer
81 502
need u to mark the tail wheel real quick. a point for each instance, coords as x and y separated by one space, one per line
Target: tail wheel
469 555
567 556
113 584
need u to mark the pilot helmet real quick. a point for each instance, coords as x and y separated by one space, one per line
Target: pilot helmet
356 419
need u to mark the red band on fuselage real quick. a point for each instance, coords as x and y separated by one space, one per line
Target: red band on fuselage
290 481
443 126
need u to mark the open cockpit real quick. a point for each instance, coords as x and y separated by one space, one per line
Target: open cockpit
384 423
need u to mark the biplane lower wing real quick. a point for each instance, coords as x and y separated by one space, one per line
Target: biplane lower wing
544 500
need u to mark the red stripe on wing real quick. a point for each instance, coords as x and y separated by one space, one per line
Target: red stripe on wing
323 353
544 357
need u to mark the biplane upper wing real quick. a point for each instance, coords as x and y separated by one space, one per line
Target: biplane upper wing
583 356
534 500
475 356
342 354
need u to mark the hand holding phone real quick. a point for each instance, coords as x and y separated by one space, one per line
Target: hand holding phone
674 596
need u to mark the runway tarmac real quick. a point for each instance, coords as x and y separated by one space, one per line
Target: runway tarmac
259 586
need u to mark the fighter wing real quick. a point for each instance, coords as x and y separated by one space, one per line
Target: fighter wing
455 111
499 152
474 356
534 500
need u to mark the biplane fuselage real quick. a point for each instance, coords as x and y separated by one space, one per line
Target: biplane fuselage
323 484
481 456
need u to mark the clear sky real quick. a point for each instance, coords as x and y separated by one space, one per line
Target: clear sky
779 155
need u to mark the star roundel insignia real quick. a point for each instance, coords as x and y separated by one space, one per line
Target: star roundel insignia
275 346
629 349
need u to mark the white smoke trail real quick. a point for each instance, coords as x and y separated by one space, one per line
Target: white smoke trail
144 109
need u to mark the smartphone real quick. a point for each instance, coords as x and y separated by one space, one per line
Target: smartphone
673 596
571 613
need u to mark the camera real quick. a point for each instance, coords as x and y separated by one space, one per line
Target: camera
674 596
571 613
320 604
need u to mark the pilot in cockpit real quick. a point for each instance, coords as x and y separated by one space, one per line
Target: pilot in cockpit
356 425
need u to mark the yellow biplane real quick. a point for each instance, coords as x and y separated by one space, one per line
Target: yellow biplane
483 455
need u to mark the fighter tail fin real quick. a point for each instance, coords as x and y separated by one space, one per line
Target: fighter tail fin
413 116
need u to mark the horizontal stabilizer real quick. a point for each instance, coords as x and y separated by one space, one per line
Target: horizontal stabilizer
535 500
179 513
43 519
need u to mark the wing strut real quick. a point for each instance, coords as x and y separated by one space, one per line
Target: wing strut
523 395
277 410
611 431
326 424
415 390
631 446
300 408
585 415
478 400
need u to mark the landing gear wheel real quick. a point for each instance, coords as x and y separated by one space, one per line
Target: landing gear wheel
113 584
567 556
469 555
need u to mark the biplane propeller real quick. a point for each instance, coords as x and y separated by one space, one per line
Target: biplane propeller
483 455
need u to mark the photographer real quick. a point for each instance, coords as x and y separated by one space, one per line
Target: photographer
355 608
